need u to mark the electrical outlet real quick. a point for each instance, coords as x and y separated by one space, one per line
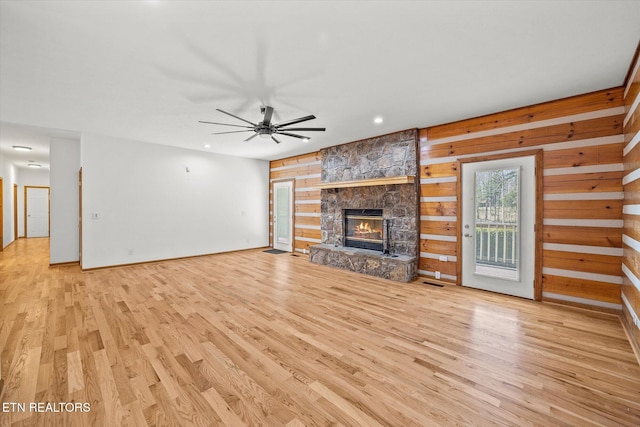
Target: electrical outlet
437 274
443 258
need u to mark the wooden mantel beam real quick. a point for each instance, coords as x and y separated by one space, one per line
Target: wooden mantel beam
407 179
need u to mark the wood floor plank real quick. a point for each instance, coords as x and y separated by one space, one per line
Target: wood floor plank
249 338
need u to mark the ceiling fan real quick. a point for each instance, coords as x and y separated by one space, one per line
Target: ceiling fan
266 129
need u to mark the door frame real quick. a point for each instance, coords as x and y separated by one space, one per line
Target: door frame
15 212
292 205
538 225
48 208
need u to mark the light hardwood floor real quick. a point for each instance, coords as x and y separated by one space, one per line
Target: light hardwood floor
251 338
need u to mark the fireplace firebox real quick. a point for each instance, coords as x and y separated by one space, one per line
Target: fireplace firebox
364 228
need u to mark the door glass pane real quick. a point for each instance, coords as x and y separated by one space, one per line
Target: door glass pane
282 214
497 217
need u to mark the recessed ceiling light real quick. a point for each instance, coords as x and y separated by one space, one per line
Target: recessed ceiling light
305 139
207 145
377 120
34 165
21 148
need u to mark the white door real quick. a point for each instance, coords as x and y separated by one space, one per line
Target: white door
37 206
283 215
498 225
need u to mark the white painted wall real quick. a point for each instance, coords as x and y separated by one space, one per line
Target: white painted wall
9 175
150 207
64 158
30 178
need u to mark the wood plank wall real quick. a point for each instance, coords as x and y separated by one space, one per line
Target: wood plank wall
304 170
582 141
631 206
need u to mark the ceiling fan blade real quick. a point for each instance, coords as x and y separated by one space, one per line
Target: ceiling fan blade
233 131
275 139
294 121
239 118
268 113
225 124
251 137
293 135
304 129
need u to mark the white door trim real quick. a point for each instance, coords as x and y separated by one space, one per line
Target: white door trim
283 242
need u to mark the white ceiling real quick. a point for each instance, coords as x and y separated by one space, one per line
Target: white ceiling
149 70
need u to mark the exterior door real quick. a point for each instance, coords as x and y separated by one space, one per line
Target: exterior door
37 211
498 225
283 215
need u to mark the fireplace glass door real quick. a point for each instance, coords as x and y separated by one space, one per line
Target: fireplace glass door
363 228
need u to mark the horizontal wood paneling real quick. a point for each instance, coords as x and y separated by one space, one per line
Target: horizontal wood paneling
590 263
305 232
439 170
583 183
438 189
599 125
584 156
296 160
305 171
307 208
438 208
443 228
309 183
581 288
632 193
297 173
549 110
588 236
438 247
430 264
631 228
307 220
584 209
586 129
313 195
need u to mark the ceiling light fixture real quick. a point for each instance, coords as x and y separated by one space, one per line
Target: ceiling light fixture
207 145
34 165
377 120
21 148
305 139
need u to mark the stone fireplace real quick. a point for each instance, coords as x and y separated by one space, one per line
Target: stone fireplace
371 178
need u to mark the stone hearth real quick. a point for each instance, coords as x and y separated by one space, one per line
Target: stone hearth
387 156
396 267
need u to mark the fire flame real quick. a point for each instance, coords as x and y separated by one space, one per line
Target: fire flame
364 227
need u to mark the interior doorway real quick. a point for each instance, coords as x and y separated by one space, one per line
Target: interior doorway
36 211
283 215
499 215
15 212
